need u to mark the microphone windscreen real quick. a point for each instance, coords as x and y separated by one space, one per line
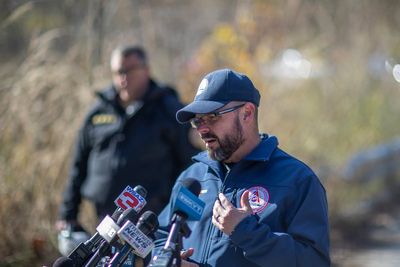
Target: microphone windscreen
192 185
148 222
63 262
117 213
128 214
140 190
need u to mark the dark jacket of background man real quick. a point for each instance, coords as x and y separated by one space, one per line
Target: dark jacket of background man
139 143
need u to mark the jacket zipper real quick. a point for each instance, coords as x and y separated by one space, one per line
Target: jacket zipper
233 201
211 228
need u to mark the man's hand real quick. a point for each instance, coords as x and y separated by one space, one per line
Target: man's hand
185 255
226 216
63 224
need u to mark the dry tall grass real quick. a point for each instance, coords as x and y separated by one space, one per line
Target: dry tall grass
322 120
42 106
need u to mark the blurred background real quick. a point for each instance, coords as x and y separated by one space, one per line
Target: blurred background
328 72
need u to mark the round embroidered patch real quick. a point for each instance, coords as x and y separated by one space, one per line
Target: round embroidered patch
259 198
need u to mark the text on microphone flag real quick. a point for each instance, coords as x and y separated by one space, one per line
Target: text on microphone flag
129 198
141 244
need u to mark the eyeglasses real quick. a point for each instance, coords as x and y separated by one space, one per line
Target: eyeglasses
126 71
211 118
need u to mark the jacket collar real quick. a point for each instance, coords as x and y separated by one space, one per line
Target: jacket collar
264 150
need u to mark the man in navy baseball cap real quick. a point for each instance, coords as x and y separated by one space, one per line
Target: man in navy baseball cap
263 207
217 89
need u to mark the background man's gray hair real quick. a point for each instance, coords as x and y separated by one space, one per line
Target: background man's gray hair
125 51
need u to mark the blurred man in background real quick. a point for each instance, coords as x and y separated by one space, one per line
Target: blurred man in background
129 137
263 207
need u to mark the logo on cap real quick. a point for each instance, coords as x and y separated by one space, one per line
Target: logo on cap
202 87
258 198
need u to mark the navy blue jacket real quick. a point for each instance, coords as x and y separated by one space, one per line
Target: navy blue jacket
290 224
117 147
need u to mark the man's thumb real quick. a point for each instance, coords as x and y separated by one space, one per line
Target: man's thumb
185 254
245 202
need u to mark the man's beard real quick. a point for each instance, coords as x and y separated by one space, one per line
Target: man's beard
228 144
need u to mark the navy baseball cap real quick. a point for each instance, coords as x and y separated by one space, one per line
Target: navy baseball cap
217 89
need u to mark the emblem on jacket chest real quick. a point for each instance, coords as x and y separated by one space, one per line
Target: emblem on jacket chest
259 198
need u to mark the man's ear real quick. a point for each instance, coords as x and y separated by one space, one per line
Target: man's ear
245 115
247 112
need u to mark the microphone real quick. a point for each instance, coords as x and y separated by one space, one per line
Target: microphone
132 198
63 262
136 238
128 198
186 206
108 230
186 203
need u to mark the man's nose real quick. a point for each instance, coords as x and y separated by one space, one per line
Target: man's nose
123 80
203 128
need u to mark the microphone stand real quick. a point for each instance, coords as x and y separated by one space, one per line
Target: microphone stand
103 250
170 255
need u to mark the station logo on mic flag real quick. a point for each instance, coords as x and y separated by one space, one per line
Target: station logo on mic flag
188 203
129 198
141 244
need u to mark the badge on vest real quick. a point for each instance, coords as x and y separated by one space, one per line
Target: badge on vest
103 119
